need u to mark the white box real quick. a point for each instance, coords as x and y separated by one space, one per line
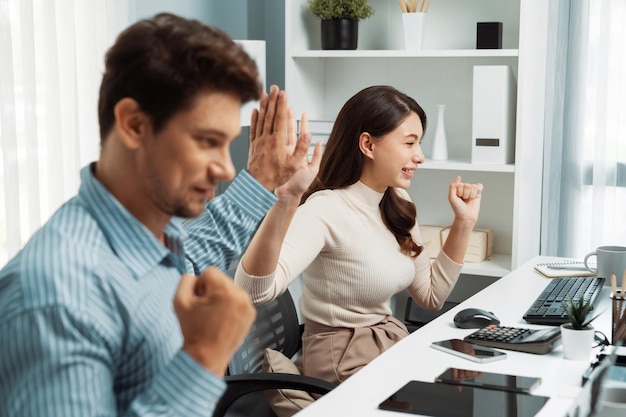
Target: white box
431 235
493 115
480 246
256 50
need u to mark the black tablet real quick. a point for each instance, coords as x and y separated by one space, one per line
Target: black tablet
443 400
490 380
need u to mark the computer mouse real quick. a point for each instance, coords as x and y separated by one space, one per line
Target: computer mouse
474 318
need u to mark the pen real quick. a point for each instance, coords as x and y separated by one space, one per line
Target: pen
614 285
571 268
623 287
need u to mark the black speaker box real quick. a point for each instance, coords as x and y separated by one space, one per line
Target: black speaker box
489 35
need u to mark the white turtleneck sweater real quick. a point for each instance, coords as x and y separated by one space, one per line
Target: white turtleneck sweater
350 262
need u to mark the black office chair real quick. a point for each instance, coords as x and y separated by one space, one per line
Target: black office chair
276 327
415 316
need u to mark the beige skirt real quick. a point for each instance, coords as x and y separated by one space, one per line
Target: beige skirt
336 353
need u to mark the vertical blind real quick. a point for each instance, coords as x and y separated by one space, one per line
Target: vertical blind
584 189
52 59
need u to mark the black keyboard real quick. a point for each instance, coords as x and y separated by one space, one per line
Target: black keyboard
548 308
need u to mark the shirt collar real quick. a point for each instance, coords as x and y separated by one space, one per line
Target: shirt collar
129 239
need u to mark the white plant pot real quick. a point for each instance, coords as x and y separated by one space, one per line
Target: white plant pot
577 344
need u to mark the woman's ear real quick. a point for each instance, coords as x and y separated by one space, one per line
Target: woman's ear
366 144
131 122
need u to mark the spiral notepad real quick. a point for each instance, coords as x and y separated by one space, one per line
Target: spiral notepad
571 268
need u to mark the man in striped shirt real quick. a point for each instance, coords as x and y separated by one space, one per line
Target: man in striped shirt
87 326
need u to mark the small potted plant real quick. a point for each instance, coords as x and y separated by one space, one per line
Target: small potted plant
340 21
578 333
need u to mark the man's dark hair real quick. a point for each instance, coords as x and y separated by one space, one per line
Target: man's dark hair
163 63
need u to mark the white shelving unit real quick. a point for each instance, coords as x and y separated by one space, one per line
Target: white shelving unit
433 53
320 81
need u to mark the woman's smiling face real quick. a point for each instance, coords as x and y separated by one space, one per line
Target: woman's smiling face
394 157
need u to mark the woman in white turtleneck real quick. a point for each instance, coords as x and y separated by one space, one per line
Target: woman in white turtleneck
354 237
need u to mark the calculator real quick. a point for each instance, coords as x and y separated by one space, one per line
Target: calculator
517 338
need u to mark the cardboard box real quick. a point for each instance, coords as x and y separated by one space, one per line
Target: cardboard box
480 245
432 238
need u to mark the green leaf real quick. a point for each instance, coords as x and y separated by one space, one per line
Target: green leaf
578 312
340 9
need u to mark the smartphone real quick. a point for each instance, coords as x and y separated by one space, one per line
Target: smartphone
513 383
469 350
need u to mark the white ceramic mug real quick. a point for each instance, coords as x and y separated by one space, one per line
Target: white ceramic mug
610 260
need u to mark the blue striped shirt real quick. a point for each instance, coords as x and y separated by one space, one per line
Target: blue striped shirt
87 326
219 237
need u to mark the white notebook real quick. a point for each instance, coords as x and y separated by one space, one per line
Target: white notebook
565 268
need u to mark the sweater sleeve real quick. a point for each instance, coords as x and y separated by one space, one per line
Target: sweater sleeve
307 236
434 281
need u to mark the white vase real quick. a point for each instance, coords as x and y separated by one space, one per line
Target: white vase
440 144
577 344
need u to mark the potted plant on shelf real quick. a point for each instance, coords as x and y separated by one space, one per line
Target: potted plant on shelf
340 21
578 333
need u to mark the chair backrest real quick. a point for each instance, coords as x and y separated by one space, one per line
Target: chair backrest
415 316
276 327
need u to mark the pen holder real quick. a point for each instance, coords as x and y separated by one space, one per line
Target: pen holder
618 321
413 29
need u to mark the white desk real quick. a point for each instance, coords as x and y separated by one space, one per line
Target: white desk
413 358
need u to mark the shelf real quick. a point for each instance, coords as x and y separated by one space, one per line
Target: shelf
454 165
386 53
321 81
498 266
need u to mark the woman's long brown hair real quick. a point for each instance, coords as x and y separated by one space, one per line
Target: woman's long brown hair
376 110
